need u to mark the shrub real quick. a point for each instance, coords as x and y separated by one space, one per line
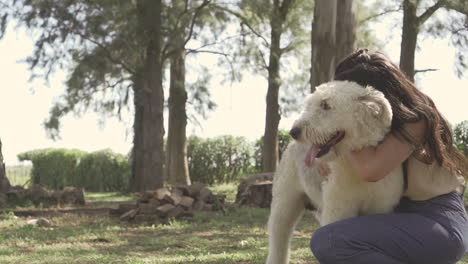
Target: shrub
283 141
98 171
103 171
219 160
55 168
461 136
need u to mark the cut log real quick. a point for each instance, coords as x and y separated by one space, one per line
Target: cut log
147 208
72 196
204 194
186 201
176 212
195 188
164 209
146 196
129 215
154 202
198 205
184 189
161 193
173 198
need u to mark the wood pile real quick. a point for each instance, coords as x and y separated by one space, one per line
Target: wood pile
39 194
164 203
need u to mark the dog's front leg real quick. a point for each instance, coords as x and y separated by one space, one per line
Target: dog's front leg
286 209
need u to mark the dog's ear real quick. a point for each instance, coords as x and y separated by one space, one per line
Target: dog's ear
377 106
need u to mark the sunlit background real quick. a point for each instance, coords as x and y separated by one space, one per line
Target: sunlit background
24 105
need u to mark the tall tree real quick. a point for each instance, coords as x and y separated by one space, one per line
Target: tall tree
149 152
270 156
271 30
413 21
186 20
109 48
333 37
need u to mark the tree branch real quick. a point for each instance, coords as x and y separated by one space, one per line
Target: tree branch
284 8
425 70
292 45
362 21
457 5
194 18
109 54
430 11
207 51
168 53
244 21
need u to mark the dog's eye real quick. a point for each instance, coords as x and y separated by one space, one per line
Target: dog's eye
324 105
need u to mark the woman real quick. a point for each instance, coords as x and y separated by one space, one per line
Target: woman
430 224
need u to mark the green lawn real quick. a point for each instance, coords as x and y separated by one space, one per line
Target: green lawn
239 236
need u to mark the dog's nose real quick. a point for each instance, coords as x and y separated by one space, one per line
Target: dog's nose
295 132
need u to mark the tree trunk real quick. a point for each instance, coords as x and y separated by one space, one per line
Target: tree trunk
176 153
270 138
345 30
4 182
323 42
137 151
149 132
409 38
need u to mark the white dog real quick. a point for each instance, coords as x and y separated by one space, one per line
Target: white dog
339 116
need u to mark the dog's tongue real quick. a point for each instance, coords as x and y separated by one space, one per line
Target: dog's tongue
311 155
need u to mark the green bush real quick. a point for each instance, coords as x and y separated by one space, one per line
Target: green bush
461 136
103 171
283 141
219 160
97 171
55 168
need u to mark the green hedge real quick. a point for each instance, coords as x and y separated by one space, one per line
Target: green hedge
211 160
55 168
103 171
283 141
461 136
220 159
97 171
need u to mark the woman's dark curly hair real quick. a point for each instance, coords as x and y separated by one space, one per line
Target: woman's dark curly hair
409 105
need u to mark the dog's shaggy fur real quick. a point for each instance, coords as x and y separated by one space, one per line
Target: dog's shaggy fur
339 116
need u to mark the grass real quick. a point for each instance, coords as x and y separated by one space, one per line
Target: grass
207 238
239 236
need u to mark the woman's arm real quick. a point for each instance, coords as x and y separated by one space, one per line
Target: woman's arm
373 163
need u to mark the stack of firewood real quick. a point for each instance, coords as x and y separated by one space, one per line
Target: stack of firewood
165 203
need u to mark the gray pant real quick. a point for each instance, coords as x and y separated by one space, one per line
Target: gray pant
418 232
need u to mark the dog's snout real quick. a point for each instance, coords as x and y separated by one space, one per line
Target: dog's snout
295 132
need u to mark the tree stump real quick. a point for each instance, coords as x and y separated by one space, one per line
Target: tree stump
255 190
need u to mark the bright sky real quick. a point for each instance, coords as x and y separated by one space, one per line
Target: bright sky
241 107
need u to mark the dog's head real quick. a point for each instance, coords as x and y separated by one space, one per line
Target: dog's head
342 116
